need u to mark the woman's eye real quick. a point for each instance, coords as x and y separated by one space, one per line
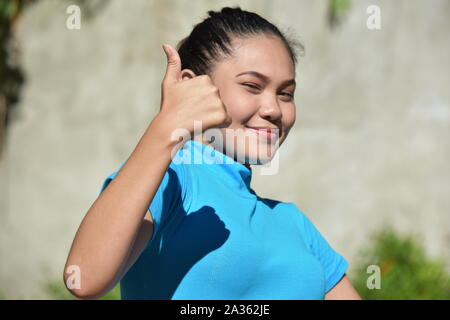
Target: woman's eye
250 86
287 94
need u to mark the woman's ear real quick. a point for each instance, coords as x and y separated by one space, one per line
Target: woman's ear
187 74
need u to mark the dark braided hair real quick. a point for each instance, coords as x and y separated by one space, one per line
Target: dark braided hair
211 39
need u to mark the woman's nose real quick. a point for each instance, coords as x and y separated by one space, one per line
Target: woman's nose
270 109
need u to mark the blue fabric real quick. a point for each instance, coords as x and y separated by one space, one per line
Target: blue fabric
215 239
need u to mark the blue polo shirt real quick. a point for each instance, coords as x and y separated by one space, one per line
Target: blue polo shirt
214 238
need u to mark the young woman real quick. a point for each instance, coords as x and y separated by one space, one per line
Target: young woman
193 228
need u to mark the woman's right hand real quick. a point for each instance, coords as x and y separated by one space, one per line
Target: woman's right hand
184 101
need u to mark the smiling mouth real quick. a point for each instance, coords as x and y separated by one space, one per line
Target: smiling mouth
268 133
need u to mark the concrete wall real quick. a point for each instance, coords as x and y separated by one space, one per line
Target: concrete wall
370 144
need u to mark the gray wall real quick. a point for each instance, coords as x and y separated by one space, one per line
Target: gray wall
370 144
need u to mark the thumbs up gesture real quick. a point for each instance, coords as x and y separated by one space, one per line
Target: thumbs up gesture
185 100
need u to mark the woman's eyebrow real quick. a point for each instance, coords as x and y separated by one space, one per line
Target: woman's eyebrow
265 78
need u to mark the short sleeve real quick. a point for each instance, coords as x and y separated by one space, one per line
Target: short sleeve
333 263
170 194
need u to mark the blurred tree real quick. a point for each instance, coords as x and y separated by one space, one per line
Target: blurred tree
406 272
11 75
91 7
336 11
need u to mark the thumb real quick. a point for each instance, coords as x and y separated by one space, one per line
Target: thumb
173 72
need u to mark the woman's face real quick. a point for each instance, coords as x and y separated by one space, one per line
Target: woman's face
257 88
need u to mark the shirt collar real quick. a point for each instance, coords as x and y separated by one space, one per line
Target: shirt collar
236 174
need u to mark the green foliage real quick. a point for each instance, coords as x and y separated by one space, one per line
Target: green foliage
336 11
11 75
339 6
8 8
56 290
406 272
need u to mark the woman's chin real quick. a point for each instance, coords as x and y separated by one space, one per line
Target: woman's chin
250 150
263 160
258 159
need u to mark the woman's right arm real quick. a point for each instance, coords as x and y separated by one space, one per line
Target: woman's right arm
104 240
114 231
